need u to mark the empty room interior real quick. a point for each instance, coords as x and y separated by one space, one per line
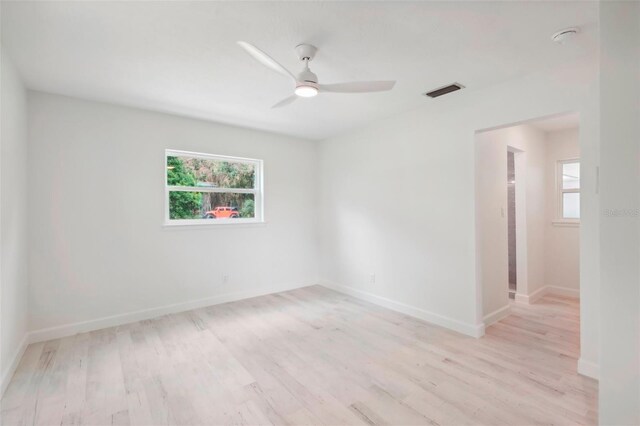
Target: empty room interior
320 213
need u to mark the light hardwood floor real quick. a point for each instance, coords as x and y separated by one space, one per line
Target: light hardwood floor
308 356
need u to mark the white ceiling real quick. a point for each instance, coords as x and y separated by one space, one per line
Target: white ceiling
558 122
182 57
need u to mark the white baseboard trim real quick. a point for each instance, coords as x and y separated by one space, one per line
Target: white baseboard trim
564 291
521 298
548 289
531 298
589 369
10 371
145 314
473 330
496 315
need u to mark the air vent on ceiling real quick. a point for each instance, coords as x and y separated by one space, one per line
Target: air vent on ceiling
444 90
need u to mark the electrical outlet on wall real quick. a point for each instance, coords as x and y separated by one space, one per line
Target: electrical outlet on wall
372 278
225 278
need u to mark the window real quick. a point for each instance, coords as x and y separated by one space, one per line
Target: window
212 189
569 190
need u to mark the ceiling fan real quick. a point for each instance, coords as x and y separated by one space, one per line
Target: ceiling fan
306 83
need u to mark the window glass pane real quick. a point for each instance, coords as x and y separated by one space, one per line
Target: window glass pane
193 171
571 205
209 205
571 176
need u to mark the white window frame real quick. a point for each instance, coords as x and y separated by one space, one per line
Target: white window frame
257 190
561 191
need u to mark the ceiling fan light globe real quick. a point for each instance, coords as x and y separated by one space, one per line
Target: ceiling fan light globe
306 91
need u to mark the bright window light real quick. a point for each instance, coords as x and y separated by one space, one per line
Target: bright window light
212 189
569 190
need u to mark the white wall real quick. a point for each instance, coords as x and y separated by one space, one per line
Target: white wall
561 242
620 222
98 247
491 208
13 218
492 223
405 187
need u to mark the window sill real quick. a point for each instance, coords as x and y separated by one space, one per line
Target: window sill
221 224
569 223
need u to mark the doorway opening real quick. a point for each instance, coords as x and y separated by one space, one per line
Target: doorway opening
528 227
511 223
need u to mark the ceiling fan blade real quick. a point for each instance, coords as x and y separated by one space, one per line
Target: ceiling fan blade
358 87
285 101
265 59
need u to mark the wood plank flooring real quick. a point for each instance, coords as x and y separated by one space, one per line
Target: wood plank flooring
308 356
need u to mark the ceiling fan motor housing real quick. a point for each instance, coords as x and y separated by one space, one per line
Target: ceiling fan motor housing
308 76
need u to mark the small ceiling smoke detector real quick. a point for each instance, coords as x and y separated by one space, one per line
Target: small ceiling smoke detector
562 36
